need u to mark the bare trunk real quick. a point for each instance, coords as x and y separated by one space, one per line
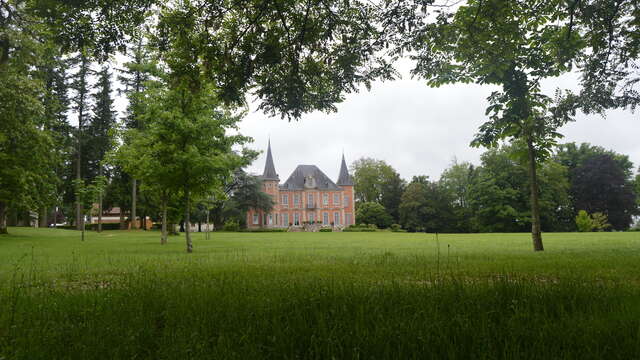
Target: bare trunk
43 217
3 218
122 224
79 217
163 238
100 206
536 233
207 230
187 223
134 195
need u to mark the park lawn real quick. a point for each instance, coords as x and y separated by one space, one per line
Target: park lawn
121 294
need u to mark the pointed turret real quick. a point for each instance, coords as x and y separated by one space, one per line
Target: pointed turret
344 179
269 168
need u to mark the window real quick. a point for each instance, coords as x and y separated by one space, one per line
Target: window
296 200
336 218
325 218
325 199
310 199
285 219
346 201
270 219
256 220
285 199
296 219
311 217
336 199
348 219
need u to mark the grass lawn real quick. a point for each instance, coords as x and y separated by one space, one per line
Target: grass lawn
318 295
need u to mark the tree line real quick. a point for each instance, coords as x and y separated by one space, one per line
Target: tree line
579 183
192 64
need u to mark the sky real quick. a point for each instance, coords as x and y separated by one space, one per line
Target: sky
416 129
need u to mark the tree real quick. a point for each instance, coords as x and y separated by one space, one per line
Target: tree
25 142
101 131
427 206
512 44
457 180
499 200
376 181
609 70
373 213
81 103
600 185
134 76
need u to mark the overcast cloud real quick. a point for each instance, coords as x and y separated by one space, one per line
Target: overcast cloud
416 129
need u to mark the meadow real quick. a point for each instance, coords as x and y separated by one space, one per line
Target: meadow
376 295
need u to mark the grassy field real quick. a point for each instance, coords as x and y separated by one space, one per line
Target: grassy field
318 295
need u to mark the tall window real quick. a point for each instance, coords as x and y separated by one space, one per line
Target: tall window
336 218
346 201
311 217
325 218
285 199
310 199
325 199
256 220
296 219
270 219
348 219
336 199
296 200
285 219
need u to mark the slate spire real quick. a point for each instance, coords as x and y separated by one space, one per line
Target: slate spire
269 168
344 179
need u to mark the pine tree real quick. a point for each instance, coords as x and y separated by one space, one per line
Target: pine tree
100 130
81 103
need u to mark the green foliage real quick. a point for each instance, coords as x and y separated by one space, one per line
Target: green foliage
373 213
427 206
584 222
231 225
326 230
376 181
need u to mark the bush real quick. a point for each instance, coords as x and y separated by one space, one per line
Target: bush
373 213
360 228
231 225
594 222
326 230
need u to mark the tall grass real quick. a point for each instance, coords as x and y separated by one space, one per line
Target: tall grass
319 304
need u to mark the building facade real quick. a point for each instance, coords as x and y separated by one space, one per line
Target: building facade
307 197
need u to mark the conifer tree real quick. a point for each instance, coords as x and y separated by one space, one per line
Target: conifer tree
81 103
101 130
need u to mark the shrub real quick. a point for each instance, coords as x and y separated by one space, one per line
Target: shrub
265 230
373 213
231 225
326 230
594 222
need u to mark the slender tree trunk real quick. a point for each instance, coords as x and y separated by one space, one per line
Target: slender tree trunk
43 217
163 238
3 218
100 206
208 226
536 233
187 223
134 196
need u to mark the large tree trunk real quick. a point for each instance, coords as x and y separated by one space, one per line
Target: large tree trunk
43 217
187 223
3 218
134 196
123 226
163 238
536 233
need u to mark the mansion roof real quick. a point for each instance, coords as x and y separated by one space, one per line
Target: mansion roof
307 176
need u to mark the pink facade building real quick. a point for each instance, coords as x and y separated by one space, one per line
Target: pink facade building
307 197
